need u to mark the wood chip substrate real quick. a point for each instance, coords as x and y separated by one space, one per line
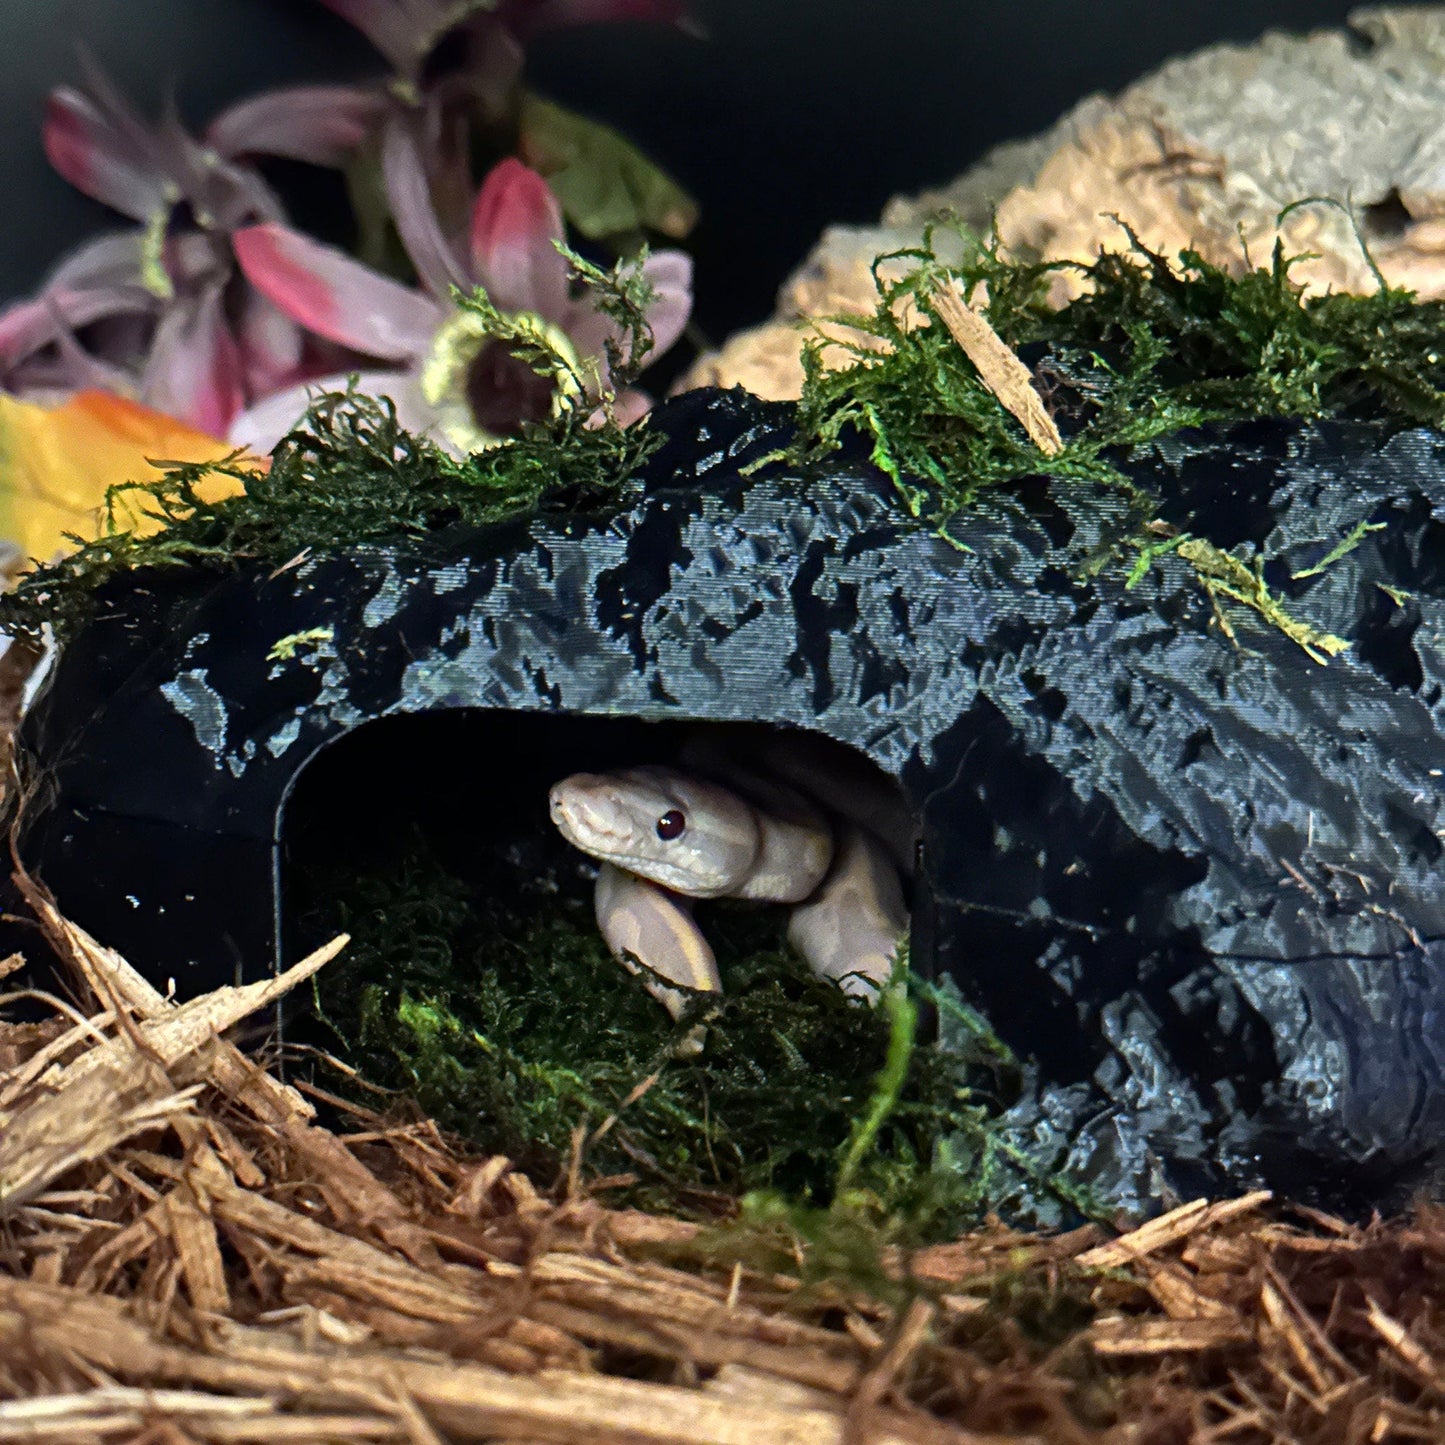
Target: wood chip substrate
188 1254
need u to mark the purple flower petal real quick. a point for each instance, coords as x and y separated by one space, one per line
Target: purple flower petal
30 325
192 258
489 72
270 343
66 367
334 296
382 22
223 194
261 426
194 369
631 405
101 146
443 141
111 260
670 273
70 367
515 222
321 124
101 156
409 197
403 30
121 341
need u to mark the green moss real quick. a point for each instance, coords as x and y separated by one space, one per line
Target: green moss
511 1024
1226 576
1150 349
1147 350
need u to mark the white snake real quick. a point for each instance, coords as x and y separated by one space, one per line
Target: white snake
665 836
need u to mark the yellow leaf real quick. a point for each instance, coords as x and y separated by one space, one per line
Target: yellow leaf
57 462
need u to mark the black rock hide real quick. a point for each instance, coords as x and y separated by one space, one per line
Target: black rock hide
1191 879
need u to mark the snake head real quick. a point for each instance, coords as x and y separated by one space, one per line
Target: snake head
682 832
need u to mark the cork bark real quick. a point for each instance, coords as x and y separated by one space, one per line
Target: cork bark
1208 152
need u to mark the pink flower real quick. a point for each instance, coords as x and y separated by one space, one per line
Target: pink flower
165 316
445 375
407 31
458 67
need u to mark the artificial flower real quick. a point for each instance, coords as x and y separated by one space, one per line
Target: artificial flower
407 31
160 312
458 79
446 376
58 462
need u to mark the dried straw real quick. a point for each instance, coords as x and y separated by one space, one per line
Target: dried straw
186 1254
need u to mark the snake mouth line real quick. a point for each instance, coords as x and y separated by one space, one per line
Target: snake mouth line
588 823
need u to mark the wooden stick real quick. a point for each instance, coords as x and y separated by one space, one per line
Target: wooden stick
998 368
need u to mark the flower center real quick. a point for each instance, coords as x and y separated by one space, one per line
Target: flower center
482 391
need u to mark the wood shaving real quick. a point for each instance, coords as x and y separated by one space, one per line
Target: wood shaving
190 1255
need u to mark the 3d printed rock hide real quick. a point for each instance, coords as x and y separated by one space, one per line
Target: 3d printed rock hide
1192 880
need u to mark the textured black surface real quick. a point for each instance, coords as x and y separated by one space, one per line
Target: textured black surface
1194 883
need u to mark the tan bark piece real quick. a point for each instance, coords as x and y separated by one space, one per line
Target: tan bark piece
194 1234
1425 1367
1167 1337
1209 152
812 1368
89 1117
469 1399
999 369
1169 1229
168 1037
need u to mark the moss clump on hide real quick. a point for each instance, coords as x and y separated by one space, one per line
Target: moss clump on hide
351 474
513 1026
1149 349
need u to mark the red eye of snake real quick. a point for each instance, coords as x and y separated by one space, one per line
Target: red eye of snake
671 825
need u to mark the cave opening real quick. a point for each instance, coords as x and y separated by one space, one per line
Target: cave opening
478 983
464 792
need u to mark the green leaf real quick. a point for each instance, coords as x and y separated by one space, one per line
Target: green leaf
606 185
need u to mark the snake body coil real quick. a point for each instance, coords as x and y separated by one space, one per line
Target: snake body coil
665 836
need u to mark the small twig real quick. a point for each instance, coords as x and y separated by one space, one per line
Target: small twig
998 368
1169 1229
1417 1360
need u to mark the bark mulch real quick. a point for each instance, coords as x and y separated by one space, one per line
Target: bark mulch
187 1254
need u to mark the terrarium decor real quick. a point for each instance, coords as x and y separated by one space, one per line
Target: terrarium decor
1110 676
1100 617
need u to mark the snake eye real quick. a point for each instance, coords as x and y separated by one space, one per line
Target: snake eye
671 824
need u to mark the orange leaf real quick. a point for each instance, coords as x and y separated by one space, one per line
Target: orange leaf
57 462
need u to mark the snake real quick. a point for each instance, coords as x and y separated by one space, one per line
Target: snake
664 836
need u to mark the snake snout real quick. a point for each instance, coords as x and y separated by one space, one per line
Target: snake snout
585 810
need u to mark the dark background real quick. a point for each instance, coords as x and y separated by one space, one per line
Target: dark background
792 115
